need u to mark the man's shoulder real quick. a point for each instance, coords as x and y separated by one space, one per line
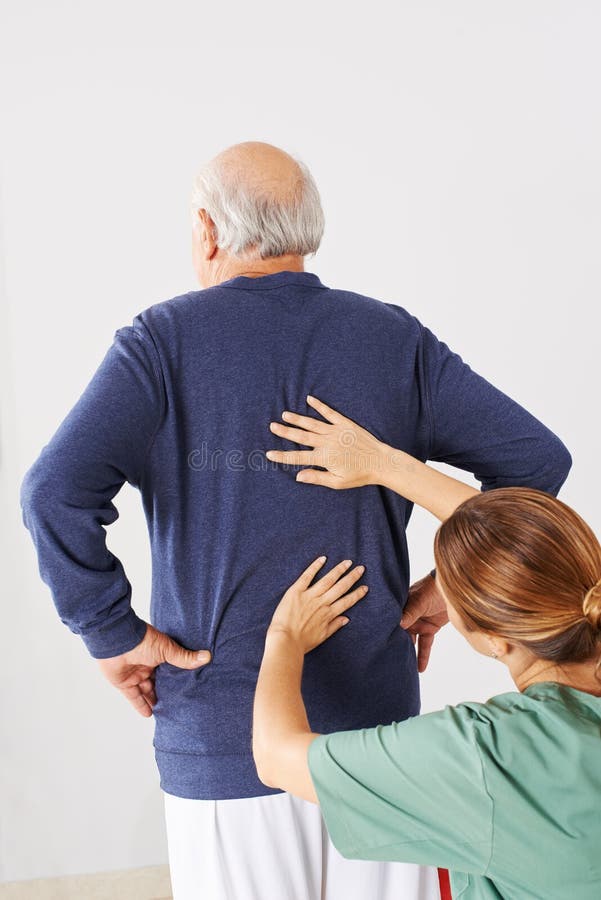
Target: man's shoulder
210 302
182 301
345 295
178 306
373 309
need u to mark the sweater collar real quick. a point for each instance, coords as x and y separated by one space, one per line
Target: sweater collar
274 280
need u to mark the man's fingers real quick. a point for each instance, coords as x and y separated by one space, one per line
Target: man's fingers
307 422
315 476
131 676
417 605
424 646
185 659
297 435
406 621
423 626
294 457
409 617
138 701
326 411
147 688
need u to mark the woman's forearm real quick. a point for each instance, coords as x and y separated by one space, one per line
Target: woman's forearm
281 731
438 493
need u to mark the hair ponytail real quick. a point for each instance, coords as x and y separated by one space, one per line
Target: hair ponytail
519 563
591 607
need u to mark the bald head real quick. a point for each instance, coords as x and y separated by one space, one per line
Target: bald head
261 169
261 201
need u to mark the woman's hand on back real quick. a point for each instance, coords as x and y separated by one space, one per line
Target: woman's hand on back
352 456
311 613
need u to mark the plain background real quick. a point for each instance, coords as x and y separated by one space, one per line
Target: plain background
457 150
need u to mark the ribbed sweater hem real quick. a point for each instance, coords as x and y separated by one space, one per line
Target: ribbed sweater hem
205 776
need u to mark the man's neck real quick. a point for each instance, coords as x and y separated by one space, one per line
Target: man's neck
257 267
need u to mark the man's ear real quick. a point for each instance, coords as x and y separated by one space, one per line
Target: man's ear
207 234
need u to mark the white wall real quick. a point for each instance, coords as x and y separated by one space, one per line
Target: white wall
457 149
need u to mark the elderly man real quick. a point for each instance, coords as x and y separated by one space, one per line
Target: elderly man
180 407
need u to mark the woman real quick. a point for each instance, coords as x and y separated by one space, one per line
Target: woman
506 794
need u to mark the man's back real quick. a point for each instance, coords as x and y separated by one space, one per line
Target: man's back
181 407
233 530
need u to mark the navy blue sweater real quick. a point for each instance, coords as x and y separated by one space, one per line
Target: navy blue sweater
180 408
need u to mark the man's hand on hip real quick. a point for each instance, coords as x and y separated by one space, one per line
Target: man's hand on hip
133 672
424 615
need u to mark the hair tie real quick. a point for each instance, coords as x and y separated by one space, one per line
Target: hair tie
591 605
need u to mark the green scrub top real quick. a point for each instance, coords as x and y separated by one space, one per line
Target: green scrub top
505 794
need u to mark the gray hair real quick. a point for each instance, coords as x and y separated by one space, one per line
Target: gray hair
264 224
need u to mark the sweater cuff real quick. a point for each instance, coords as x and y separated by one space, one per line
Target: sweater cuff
115 637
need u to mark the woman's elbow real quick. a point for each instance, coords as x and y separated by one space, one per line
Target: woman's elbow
265 779
264 765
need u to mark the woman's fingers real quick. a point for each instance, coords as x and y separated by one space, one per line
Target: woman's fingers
325 583
325 479
297 435
294 457
341 605
304 580
334 626
326 411
343 584
306 422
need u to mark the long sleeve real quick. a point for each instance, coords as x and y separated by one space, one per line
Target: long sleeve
66 496
476 427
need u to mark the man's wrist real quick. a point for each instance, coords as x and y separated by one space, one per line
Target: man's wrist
116 637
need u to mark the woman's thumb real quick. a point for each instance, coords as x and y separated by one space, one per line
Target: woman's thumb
186 659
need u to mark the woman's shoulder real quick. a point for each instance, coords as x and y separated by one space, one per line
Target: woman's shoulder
496 728
495 709
547 718
546 698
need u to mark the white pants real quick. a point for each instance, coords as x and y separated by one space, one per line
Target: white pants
275 847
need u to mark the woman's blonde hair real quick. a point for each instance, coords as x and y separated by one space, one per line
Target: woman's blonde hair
521 564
